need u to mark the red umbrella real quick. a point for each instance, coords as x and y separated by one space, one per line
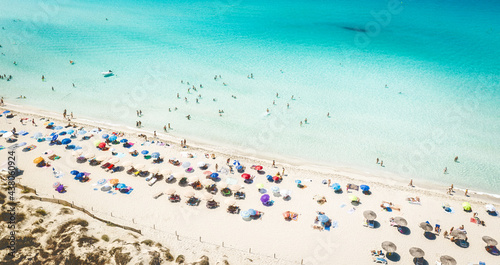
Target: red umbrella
102 145
246 176
258 168
207 172
275 178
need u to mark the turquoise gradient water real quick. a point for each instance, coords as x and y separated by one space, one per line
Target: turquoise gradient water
439 60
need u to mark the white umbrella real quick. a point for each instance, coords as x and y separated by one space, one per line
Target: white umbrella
126 163
139 166
7 134
207 182
154 170
490 207
89 155
208 196
77 152
101 158
180 175
114 160
166 172
193 179
186 164
222 185
170 191
230 201
285 192
235 187
189 194
201 164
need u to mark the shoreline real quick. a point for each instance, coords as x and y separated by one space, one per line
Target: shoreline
346 172
309 167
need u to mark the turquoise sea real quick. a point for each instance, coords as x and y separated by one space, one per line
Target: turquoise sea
414 83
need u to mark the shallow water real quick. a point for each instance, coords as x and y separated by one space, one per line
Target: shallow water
439 61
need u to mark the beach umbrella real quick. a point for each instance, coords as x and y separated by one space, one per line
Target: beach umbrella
37 135
144 152
60 188
235 187
70 131
189 194
66 141
7 111
417 252
139 166
364 188
126 163
467 206
275 189
490 207
193 179
400 221
62 133
114 160
202 164
369 215
245 214
58 128
89 155
123 140
101 145
208 182
389 246
56 184
112 138
38 160
102 181
207 173
207 196
260 185
214 175
7 134
82 132
154 170
50 123
77 152
353 198
74 172
236 162
70 147
246 176
458 234
105 136
258 168
106 188
426 226
222 185
298 181
166 172
114 181
80 175
170 191
276 178
101 158
54 137
447 260
21 144
490 241
230 202
186 164
285 192
323 218
155 155
335 186
121 186
97 142
264 198
252 212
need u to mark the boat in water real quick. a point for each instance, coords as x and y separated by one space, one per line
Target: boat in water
108 73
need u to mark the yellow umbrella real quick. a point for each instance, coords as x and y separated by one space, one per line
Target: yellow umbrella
38 160
114 181
260 185
466 206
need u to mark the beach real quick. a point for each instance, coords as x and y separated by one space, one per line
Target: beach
218 234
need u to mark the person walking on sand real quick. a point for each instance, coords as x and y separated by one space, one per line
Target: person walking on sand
466 192
64 114
72 114
154 134
274 163
140 113
216 167
411 183
283 173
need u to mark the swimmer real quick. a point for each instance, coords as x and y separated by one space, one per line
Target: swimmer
224 84
178 95
277 94
267 110
287 105
188 117
328 115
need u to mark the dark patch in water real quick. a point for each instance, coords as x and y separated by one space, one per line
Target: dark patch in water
354 29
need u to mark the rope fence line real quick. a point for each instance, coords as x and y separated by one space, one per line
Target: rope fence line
153 229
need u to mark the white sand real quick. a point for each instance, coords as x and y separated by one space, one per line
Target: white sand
290 242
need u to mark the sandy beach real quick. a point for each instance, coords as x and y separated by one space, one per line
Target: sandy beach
194 231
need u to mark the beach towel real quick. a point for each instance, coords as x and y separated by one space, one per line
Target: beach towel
23 133
2 147
120 155
352 187
350 211
335 224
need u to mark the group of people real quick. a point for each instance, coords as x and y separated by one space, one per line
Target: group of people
4 76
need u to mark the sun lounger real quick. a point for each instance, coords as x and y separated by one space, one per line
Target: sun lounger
130 171
369 223
239 195
152 181
157 195
413 200
193 201
233 209
212 204
379 260
174 198
105 165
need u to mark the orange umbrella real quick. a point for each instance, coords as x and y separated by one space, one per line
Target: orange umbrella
38 160
114 181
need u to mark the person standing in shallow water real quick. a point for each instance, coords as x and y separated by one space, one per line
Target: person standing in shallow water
456 159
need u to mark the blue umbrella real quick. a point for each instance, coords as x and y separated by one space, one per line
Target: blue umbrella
364 188
70 131
80 175
245 214
121 186
71 146
54 137
155 155
58 128
123 140
298 181
51 123
239 167
62 133
21 144
66 141
74 172
37 135
252 211
264 198
105 136
214 175
7 111
336 186
145 152
112 138
323 218
82 132
236 163
275 189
